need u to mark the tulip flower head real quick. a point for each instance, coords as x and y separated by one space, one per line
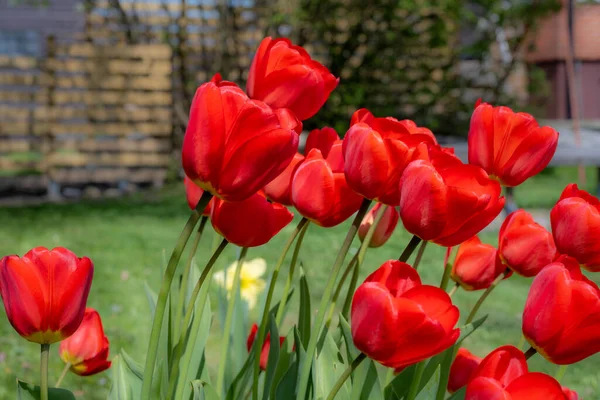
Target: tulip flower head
249 223
510 146
503 375
284 76
87 349
233 146
193 193
319 188
570 394
462 369
525 246
264 354
45 292
575 223
477 265
397 321
561 319
384 228
447 202
376 151
251 282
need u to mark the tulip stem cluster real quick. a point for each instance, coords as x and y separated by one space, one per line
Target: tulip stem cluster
63 374
420 253
161 301
260 337
484 296
45 350
410 248
325 300
340 382
229 319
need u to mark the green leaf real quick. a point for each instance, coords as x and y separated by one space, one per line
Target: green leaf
459 394
203 391
239 382
327 370
126 379
273 357
400 385
365 382
286 357
351 350
28 391
286 389
429 389
151 296
467 330
161 375
304 315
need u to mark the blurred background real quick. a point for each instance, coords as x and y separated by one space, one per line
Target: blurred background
94 97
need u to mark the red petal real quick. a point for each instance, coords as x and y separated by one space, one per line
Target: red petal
535 386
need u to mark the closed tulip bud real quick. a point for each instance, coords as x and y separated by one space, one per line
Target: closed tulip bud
397 321
193 193
319 189
45 292
249 223
561 319
376 151
264 354
525 246
284 76
384 228
234 146
570 394
462 368
477 265
575 223
510 146
87 349
447 202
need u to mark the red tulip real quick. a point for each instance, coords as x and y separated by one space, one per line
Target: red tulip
510 146
249 223
383 230
397 321
446 202
575 223
377 150
264 354
463 367
529 386
279 189
525 246
87 349
561 319
284 76
319 189
193 193
502 365
234 146
570 394
44 292
477 265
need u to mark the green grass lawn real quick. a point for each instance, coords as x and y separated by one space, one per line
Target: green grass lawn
129 239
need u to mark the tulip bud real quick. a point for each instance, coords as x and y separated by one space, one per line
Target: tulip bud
477 265
193 193
462 369
87 349
264 354
384 228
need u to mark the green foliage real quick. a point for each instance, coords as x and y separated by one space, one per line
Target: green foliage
27 391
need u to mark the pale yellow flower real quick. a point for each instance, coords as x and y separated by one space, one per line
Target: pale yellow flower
251 284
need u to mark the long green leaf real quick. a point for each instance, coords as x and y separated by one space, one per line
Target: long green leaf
273 357
203 391
28 391
126 382
304 315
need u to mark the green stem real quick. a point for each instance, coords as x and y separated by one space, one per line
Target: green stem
484 296
446 276
326 298
350 267
561 372
416 382
165 288
189 313
290 277
350 291
410 247
186 275
530 353
260 337
63 374
420 254
340 382
229 320
389 376
454 289
45 350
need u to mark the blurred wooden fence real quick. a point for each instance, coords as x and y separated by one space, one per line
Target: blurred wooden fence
86 113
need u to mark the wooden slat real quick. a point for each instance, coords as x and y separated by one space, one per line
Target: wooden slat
98 81
90 97
144 51
12 145
106 175
148 145
139 6
18 62
108 159
100 114
111 66
9 165
12 78
123 129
